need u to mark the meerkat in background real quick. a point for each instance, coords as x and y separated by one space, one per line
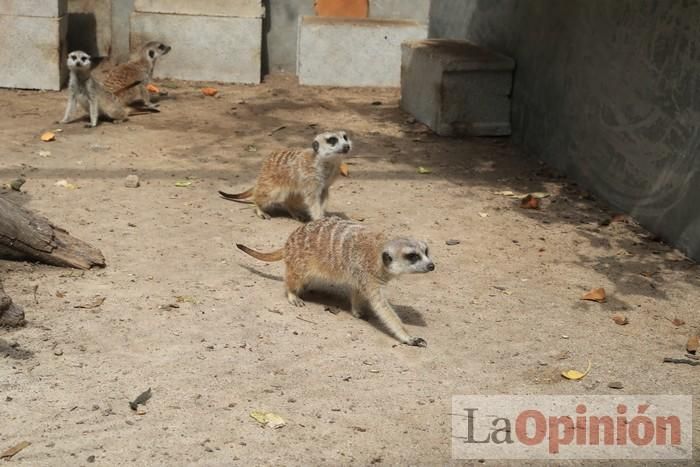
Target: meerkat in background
139 68
298 180
85 91
340 252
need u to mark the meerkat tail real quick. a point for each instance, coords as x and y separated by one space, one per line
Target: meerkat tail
238 197
268 257
126 88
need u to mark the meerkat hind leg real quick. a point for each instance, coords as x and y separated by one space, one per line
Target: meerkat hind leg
357 304
294 288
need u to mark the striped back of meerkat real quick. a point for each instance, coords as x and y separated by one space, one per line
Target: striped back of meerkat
284 168
336 250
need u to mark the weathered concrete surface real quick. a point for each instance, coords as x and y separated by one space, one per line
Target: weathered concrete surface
40 66
605 91
353 52
204 48
280 35
416 10
227 8
121 27
43 8
457 88
90 26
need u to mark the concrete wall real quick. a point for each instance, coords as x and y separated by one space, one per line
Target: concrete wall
606 91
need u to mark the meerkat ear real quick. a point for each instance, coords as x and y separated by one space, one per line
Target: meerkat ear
386 258
315 146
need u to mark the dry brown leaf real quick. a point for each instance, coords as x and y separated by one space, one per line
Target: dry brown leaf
9 453
153 89
677 322
48 136
530 202
344 170
210 91
595 295
693 344
620 319
94 303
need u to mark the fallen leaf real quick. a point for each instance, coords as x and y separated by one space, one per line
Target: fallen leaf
210 91
452 242
620 319
575 374
279 128
94 303
185 299
48 136
540 195
530 202
693 345
424 171
483 214
268 419
505 193
65 184
595 295
251 148
344 170
183 183
153 89
141 399
9 453
677 322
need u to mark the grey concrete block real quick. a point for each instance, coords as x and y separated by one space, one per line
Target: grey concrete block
90 26
40 66
457 88
42 8
205 48
280 26
230 8
416 10
353 52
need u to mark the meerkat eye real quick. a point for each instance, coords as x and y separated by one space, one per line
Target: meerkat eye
161 47
73 57
332 141
151 53
426 252
345 137
412 257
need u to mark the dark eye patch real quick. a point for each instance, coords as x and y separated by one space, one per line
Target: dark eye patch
412 257
332 140
161 47
426 252
73 57
345 137
151 53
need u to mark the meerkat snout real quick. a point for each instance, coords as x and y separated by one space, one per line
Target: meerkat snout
332 143
407 256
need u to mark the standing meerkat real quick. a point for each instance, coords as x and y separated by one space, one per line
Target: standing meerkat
345 253
139 68
298 180
88 93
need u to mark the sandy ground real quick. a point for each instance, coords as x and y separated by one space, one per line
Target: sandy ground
501 314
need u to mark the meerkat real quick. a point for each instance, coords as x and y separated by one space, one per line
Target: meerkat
139 68
339 252
87 92
298 180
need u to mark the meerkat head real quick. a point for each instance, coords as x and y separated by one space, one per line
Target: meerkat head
153 50
79 61
332 143
406 256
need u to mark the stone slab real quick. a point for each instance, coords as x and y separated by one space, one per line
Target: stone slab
228 8
41 66
457 88
204 48
353 52
416 10
41 8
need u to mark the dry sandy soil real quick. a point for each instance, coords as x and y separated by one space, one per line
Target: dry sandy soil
501 314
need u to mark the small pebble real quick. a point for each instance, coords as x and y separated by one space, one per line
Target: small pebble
91 459
615 385
452 242
132 181
58 352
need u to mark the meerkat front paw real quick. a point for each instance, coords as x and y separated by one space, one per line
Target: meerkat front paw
417 342
295 300
90 125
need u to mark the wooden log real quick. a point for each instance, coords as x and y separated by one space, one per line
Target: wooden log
10 314
27 236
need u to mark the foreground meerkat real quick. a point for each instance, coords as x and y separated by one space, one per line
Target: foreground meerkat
298 180
139 68
87 92
345 253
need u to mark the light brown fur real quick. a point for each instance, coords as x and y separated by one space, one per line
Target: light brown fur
336 251
298 180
